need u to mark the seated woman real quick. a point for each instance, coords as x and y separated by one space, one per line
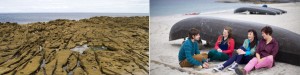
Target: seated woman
244 53
266 51
223 47
189 54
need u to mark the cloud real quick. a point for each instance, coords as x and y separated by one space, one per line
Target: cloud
102 6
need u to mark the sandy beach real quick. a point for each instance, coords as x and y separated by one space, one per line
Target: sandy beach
164 51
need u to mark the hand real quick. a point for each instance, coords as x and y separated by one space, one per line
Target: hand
219 50
239 51
205 65
242 52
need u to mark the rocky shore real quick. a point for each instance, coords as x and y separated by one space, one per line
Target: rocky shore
116 45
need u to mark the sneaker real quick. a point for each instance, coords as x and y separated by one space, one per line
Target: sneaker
198 67
233 66
239 71
218 68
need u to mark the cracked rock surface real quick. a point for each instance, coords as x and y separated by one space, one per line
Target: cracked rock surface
116 46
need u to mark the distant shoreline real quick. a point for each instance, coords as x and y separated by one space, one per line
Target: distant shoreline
25 18
257 1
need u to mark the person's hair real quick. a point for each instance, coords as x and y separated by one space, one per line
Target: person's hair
193 32
267 29
255 40
229 30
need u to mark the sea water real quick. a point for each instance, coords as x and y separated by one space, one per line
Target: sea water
24 18
172 7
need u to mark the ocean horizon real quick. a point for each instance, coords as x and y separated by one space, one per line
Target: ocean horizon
175 7
24 18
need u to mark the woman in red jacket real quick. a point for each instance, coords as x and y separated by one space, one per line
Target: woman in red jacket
223 47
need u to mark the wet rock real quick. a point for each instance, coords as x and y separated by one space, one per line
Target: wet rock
13 46
139 72
62 58
25 56
49 55
3 59
11 73
107 71
116 63
20 62
115 45
41 71
50 67
4 47
31 66
79 71
72 62
89 63
70 45
60 71
4 70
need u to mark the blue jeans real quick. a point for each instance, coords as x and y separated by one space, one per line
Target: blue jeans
240 59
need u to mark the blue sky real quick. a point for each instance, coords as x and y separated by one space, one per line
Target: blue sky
93 6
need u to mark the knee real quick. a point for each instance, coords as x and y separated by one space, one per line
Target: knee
205 55
212 51
253 60
270 58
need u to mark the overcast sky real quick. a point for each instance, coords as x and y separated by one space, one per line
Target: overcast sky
99 6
